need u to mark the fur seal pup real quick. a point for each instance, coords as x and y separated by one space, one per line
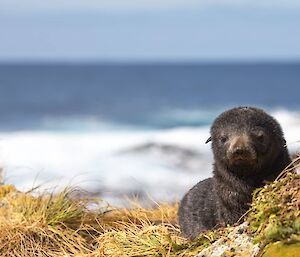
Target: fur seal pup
249 150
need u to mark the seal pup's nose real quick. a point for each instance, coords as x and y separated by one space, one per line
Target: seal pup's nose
240 151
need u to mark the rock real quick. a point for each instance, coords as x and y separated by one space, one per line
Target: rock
237 243
173 155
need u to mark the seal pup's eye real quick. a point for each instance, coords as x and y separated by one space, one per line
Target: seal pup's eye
260 135
223 139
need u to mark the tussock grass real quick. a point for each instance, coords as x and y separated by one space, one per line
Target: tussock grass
62 225
46 225
144 232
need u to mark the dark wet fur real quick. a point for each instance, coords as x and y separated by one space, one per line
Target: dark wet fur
225 197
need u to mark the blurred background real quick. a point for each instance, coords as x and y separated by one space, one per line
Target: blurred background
117 96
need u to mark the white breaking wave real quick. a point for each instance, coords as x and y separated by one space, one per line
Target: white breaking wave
92 159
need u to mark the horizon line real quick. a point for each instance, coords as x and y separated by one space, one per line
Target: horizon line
150 61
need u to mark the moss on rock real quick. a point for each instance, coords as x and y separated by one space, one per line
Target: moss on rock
275 213
281 249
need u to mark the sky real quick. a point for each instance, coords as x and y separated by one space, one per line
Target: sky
149 30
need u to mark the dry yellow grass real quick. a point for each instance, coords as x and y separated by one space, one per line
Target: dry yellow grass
44 225
62 225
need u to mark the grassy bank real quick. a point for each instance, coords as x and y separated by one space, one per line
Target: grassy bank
63 225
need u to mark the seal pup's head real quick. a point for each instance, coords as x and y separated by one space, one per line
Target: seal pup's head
246 140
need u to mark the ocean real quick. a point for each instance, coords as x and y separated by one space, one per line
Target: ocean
129 130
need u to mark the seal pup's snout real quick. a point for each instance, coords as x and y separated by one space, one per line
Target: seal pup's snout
240 151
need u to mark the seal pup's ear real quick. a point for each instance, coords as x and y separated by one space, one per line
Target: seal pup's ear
284 143
208 140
